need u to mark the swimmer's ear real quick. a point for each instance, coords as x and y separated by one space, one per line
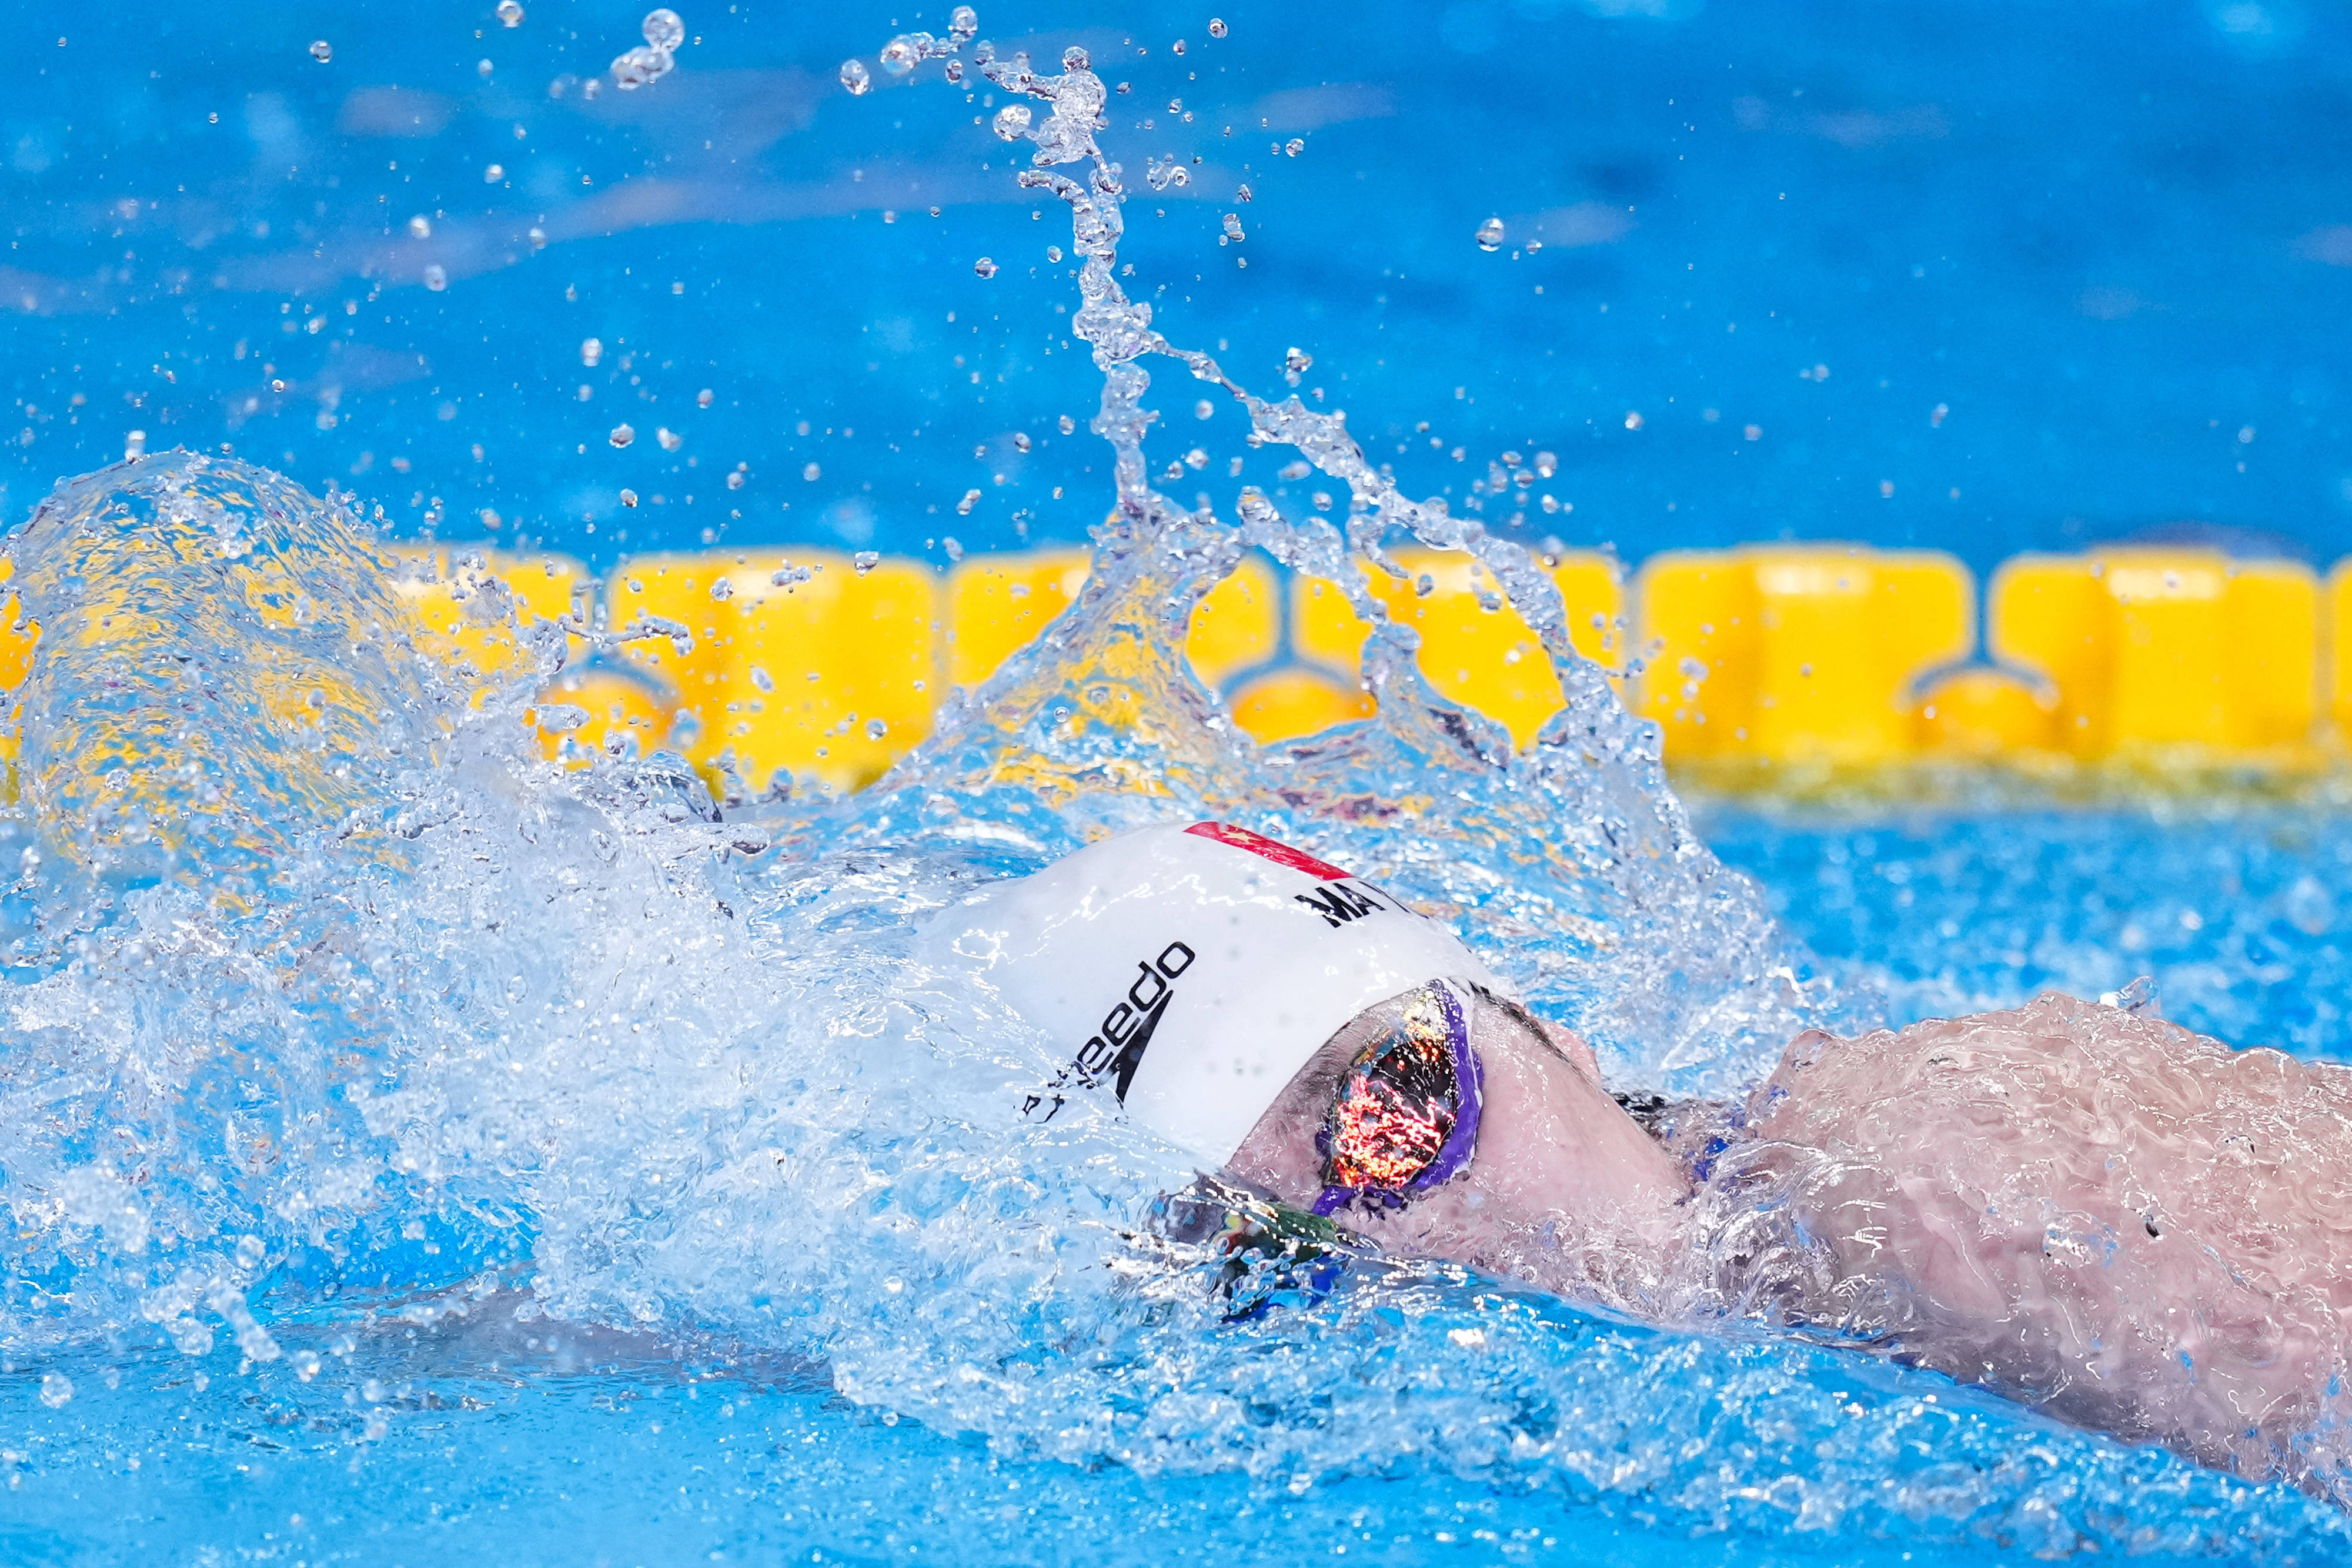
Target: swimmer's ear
1574 1047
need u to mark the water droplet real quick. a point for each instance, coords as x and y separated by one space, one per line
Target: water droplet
812 472
1177 47
321 51
865 561
1490 235
56 1388
640 65
877 728
1297 361
591 351
985 266
1234 225
705 398
954 546
735 480
1547 464
622 436
1074 59
856 77
724 589
1013 121
420 227
670 439
964 507
628 498
494 174
1294 146
1021 441
437 277
962 23
1196 458
663 31
509 13
1633 420
1216 27
1244 194
1204 409
1069 426
760 678
899 55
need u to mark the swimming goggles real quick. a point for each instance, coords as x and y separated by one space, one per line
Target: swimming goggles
1406 1115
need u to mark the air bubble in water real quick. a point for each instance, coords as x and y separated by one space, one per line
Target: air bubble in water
760 678
705 398
1244 194
812 472
420 227
494 174
1547 464
1021 441
437 278
899 55
954 546
962 23
663 31
1053 252
724 589
856 77
1177 47
1013 121
1216 27
964 507
985 266
509 13
865 561
591 351
1074 59
322 51
641 66
622 436
1069 426
1490 235
1297 361
670 439
1234 226
1294 146
56 1388
628 498
1204 409
876 729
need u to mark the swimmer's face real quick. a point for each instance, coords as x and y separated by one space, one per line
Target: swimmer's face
1564 1186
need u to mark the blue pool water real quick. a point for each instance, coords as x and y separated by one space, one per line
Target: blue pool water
411 1153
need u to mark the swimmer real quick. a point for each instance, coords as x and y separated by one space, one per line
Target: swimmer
2121 1223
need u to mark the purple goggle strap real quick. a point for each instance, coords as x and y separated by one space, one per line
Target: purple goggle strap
1461 1141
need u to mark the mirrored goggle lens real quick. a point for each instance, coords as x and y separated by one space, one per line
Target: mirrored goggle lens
1406 1114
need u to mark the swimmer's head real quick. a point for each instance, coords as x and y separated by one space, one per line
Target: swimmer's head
1186 974
1304 1032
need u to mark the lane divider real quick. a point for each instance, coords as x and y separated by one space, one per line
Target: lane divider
781 668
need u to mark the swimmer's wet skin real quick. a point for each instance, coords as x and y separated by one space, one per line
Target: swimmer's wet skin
2126 1225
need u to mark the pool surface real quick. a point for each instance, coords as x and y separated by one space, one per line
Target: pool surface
417 1150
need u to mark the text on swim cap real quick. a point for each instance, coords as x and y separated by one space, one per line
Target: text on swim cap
1117 1050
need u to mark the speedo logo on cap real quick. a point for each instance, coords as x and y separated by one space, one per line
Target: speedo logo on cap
1115 1048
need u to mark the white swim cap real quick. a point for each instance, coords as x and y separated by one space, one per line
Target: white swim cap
1191 972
